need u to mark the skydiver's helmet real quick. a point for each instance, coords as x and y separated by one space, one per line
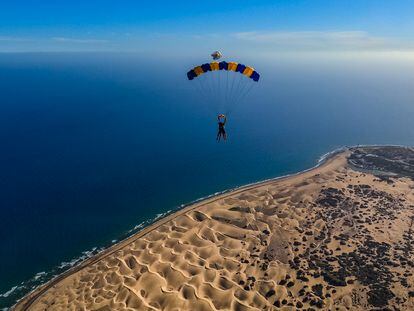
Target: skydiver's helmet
216 55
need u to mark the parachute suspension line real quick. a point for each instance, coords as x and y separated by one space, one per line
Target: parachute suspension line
203 92
231 90
243 82
203 87
206 81
214 79
199 90
219 100
242 85
235 92
245 92
247 88
215 94
240 91
208 84
241 79
248 83
216 90
211 80
226 94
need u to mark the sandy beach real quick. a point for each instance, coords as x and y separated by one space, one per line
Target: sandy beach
336 237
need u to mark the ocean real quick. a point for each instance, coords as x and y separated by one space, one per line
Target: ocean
97 145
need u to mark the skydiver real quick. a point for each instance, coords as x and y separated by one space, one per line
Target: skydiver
222 119
216 55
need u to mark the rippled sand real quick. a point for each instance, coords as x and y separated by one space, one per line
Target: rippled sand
331 238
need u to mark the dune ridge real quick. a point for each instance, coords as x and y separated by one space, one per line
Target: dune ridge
331 238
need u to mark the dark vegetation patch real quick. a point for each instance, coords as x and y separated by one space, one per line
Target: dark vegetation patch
389 160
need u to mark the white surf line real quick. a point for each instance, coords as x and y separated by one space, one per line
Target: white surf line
43 277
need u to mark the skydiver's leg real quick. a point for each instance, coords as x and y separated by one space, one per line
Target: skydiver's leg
224 135
218 136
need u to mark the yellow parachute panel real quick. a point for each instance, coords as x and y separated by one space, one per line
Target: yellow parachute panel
198 70
232 66
248 71
214 66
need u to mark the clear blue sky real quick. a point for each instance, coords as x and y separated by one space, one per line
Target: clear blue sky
53 25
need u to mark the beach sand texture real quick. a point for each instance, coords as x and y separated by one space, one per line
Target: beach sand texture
332 238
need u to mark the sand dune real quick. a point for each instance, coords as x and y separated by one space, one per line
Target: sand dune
332 238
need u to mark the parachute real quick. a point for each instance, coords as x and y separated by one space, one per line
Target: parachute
223 84
216 55
231 66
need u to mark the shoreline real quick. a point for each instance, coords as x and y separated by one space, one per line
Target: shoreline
27 301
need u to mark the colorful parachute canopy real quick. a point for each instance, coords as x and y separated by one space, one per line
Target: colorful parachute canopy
216 55
229 66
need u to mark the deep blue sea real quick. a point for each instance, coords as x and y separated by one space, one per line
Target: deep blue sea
93 145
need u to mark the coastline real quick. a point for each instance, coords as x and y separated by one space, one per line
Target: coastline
331 237
26 302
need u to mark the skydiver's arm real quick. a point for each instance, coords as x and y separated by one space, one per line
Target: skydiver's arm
225 120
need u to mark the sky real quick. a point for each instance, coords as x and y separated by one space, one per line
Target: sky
176 27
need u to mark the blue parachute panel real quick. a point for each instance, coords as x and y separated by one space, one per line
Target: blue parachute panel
240 68
255 76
